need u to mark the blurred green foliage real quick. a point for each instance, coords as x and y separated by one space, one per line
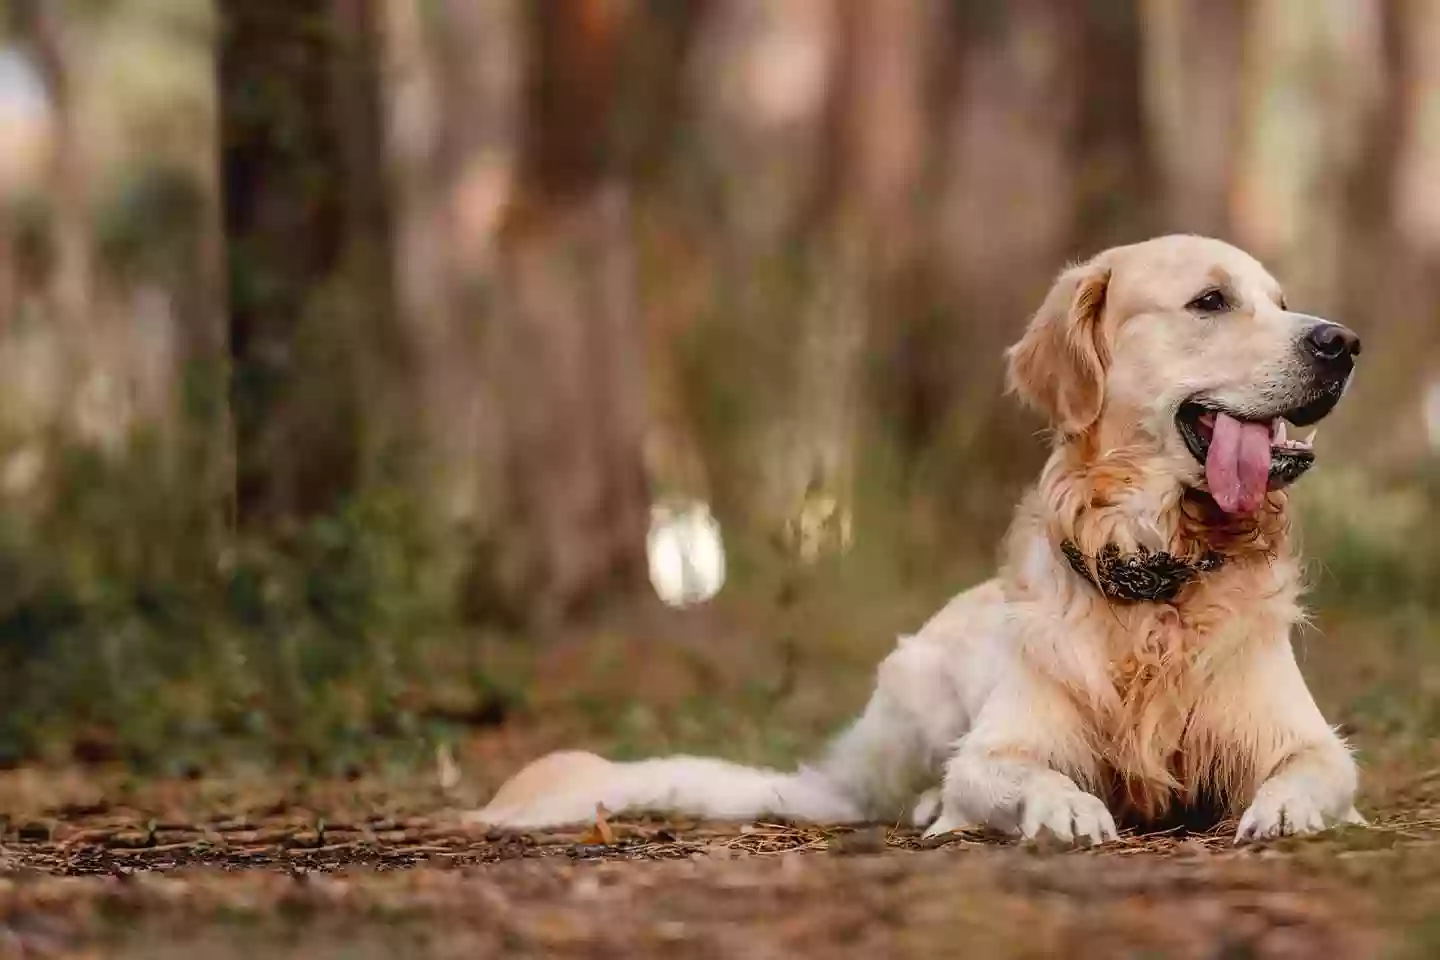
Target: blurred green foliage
134 626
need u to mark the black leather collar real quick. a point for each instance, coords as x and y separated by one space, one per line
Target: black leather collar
1141 577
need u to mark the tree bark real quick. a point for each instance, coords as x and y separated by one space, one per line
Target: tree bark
1112 168
1003 178
760 93
305 250
1391 253
573 387
71 276
1301 137
862 237
1192 97
385 357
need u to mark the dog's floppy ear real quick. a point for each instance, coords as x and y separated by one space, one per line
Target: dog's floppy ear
1059 365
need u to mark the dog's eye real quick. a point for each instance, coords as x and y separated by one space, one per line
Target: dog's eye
1211 301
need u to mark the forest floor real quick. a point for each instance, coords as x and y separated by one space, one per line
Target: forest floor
102 865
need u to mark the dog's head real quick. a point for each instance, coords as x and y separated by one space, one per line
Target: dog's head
1185 346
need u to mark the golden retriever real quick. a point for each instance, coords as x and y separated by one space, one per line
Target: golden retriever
1131 663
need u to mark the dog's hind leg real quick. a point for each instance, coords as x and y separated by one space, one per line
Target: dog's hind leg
870 772
895 750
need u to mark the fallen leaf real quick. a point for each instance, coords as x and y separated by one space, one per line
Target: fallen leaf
600 832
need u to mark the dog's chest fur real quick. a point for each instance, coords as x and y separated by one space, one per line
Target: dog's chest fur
1144 675
1158 752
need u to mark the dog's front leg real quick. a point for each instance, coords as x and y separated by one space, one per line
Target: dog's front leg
1313 789
1006 772
1309 775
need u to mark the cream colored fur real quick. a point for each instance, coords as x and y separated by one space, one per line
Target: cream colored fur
1030 697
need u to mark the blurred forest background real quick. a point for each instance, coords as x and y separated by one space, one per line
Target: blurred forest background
345 346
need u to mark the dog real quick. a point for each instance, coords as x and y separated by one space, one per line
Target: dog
1131 663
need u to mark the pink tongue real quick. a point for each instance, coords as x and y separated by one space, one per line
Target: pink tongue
1238 465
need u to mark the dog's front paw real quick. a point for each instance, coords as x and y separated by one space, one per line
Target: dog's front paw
1069 813
1285 810
927 808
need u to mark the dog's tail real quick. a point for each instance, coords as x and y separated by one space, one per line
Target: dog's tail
565 788
868 773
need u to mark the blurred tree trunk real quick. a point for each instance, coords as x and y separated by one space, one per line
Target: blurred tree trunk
1393 213
571 371
481 53
1011 114
1301 137
451 88
1392 242
386 359
306 228
126 269
1192 97
1114 176
1005 96
863 234
40 25
1413 198
656 123
760 91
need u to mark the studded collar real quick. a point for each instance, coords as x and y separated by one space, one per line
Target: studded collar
1145 576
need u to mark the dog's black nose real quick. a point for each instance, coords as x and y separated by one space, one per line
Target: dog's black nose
1332 345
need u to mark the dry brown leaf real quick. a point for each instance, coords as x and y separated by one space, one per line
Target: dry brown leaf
599 832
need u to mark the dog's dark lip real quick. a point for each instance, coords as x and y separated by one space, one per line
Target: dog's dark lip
1315 410
1187 422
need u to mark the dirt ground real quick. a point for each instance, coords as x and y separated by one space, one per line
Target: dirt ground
195 869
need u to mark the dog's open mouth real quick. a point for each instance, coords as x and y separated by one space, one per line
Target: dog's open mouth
1245 456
